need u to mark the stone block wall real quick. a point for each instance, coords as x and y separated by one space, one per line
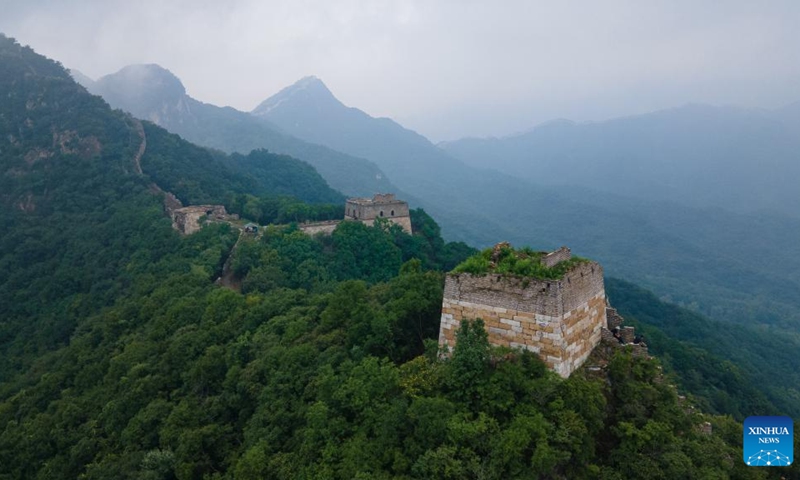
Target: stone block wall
187 219
614 318
627 335
380 206
319 227
582 281
513 293
553 258
607 336
369 211
404 222
531 314
540 334
638 350
328 227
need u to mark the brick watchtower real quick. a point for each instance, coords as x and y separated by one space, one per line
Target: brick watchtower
386 206
558 319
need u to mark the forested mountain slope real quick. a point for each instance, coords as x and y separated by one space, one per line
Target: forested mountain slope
121 359
734 267
702 258
722 366
76 211
153 93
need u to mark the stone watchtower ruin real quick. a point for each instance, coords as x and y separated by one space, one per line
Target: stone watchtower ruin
559 319
366 210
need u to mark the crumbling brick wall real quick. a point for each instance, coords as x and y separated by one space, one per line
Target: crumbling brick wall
627 335
553 258
560 320
313 228
187 219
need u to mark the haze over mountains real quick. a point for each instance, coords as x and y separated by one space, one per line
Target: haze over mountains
660 244
153 93
744 160
695 255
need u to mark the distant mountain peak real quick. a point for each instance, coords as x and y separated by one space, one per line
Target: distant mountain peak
307 81
148 91
149 76
307 89
147 70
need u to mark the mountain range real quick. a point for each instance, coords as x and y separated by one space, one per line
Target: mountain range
121 358
153 93
698 255
734 266
740 159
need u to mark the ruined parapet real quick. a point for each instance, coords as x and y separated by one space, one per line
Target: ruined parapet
628 334
615 335
614 318
313 228
558 319
607 336
187 219
386 206
638 350
553 258
384 198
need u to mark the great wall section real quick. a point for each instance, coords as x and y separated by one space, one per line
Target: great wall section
567 322
190 219
366 210
561 320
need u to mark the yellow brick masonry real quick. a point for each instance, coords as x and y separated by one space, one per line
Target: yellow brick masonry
563 341
563 344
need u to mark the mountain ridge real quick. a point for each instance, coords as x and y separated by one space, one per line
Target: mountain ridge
134 365
330 112
310 85
699 155
694 256
480 206
153 93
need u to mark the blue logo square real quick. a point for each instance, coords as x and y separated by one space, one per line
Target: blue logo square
768 441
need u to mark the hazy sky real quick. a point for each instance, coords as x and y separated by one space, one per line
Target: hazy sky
444 68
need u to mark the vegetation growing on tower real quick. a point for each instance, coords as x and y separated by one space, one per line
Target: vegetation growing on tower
523 262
